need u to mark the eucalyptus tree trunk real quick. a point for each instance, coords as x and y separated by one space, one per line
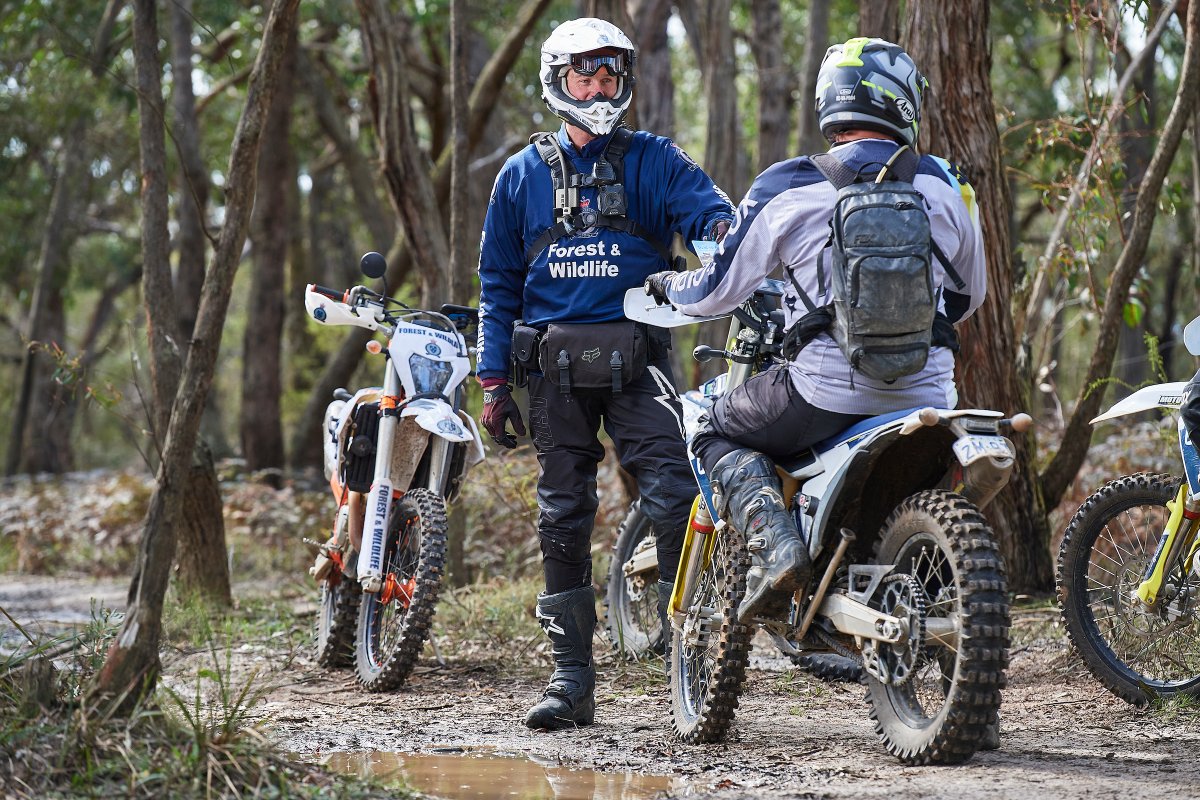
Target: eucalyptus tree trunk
775 80
959 122
201 557
654 97
262 344
405 166
816 42
194 186
879 19
131 668
461 239
709 28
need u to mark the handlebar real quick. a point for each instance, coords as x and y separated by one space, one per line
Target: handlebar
332 294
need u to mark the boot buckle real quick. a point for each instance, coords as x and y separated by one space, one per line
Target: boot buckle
758 543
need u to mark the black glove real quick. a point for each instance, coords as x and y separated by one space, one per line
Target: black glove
656 285
498 409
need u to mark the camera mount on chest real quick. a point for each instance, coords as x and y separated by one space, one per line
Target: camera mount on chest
607 177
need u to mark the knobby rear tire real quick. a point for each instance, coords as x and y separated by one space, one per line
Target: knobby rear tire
942 713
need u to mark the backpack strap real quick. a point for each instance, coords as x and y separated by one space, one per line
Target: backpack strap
902 166
834 170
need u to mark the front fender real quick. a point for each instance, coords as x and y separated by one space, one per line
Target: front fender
1164 395
437 417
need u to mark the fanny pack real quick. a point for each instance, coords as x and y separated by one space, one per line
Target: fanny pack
606 355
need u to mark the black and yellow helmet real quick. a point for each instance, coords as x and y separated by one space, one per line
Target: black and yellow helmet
870 84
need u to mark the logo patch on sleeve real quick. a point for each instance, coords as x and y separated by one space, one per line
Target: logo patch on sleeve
685 158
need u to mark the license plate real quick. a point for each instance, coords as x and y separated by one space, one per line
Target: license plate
970 449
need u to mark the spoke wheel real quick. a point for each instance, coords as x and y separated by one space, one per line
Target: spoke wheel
631 602
394 623
1139 653
337 620
710 651
940 712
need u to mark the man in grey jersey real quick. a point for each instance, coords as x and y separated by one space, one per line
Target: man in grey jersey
868 103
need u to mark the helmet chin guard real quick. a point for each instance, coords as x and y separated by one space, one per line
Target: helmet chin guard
600 115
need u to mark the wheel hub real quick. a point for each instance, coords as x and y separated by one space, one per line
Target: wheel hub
900 596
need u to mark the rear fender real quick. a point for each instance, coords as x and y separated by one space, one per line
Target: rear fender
875 479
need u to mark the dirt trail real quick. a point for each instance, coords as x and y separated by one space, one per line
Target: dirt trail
1064 736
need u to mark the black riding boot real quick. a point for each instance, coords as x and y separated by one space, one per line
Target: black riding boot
664 617
751 493
569 618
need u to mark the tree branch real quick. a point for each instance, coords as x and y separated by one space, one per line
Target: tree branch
1066 462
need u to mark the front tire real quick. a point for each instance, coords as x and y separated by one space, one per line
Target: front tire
709 652
394 624
1139 654
941 712
631 602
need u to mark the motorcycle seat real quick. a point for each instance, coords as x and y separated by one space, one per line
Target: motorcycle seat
859 428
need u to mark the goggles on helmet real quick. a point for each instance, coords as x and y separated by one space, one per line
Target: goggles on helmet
587 65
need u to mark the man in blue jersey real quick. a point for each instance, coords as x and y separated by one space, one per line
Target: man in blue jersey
575 220
868 103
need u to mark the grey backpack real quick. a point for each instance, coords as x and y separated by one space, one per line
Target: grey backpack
881 276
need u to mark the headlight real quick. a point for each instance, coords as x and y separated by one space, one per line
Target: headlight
429 375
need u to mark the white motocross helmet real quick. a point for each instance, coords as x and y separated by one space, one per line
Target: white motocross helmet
563 50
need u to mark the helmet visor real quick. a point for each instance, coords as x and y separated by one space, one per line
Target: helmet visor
588 64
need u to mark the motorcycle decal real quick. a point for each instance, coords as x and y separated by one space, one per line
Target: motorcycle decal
381 502
433 349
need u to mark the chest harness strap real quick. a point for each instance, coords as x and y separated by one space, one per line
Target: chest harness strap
607 176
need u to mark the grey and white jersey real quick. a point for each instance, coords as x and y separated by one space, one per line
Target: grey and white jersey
784 223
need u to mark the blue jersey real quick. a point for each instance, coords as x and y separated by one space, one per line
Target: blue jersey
582 278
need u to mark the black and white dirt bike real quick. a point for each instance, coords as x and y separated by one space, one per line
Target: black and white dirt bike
394 456
908 579
1129 568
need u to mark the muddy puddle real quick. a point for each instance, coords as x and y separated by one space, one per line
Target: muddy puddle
463 774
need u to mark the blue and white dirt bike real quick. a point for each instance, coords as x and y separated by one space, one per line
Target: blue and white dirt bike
1129 567
908 580
394 456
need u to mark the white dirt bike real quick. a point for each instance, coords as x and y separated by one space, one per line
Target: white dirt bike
908 579
1129 567
394 456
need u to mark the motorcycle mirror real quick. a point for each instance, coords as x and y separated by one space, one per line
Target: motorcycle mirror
373 265
1191 337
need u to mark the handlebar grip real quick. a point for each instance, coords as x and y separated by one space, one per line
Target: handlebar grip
332 294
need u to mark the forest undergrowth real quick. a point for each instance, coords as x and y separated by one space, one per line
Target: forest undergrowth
199 733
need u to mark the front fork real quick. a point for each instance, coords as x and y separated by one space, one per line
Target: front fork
1178 537
697 550
379 500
